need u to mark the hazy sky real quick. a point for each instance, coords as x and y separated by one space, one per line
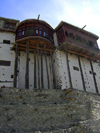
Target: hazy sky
76 12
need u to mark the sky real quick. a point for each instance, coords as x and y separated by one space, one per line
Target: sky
75 12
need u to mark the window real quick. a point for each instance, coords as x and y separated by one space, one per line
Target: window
66 33
72 36
19 34
94 73
28 27
78 38
84 41
5 63
36 32
40 32
40 28
90 72
12 76
6 41
75 68
23 33
90 43
44 33
30 32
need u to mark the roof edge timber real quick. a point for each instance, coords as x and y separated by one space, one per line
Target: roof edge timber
63 22
34 20
9 19
6 30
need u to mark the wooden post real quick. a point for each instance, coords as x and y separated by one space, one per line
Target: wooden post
16 66
94 77
81 73
68 68
52 68
42 83
35 81
47 67
27 67
38 66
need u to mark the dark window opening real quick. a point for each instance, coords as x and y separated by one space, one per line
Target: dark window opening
5 63
75 68
90 72
28 28
94 73
6 41
84 40
90 43
12 76
23 32
71 35
40 28
78 38
66 33
30 32
19 34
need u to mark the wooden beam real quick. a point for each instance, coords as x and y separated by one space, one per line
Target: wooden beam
42 82
83 82
27 67
34 47
16 67
95 83
81 54
46 67
38 66
35 80
68 69
53 73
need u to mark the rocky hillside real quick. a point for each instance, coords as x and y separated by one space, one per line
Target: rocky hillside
48 111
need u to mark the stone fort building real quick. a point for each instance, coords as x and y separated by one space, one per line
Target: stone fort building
34 55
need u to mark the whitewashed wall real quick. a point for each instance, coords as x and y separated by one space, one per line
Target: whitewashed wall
62 72
8 55
96 67
75 75
7 36
22 71
88 78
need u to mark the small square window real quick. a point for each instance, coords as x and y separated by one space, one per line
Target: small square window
90 72
12 76
75 68
94 73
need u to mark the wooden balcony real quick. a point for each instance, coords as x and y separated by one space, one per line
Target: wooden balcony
33 41
79 48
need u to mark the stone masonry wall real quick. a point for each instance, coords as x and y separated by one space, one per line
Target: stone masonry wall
48 111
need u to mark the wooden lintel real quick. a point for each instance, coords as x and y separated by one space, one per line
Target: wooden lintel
34 47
